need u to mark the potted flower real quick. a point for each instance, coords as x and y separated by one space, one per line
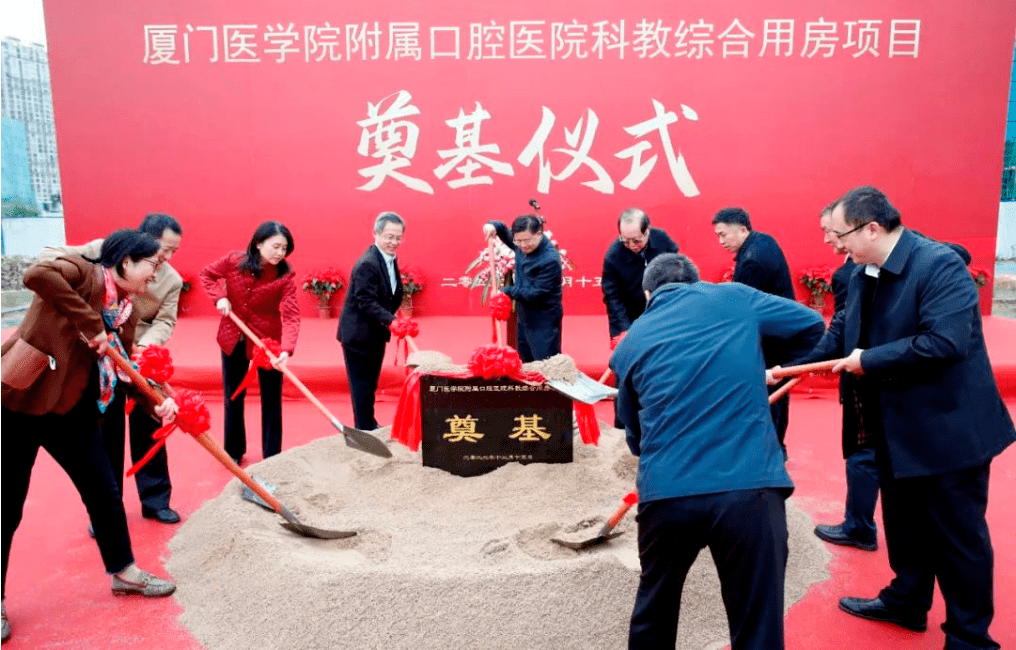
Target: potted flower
819 282
324 284
412 282
981 276
183 302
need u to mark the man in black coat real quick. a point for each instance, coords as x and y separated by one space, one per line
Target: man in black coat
929 403
760 264
372 298
858 528
624 264
537 288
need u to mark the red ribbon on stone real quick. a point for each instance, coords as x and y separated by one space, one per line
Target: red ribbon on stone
487 361
402 327
259 360
500 309
192 417
585 417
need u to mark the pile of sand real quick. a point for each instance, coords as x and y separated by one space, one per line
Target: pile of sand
440 561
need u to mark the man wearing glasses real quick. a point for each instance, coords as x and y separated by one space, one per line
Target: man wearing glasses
372 299
759 263
624 264
157 312
911 333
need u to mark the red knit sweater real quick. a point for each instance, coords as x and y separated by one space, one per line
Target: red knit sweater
268 304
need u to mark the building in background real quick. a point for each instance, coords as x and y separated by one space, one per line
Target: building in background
26 97
16 185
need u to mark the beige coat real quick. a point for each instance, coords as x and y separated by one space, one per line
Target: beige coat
156 308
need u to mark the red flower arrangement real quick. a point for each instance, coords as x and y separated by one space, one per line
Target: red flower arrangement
981 275
323 284
412 280
819 282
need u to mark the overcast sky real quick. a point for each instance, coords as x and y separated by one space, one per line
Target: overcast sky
23 19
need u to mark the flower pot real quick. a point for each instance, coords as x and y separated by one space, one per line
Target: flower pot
324 311
406 309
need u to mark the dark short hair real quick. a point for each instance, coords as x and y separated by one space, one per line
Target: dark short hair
251 261
386 218
157 223
733 216
669 268
630 215
865 204
527 223
124 243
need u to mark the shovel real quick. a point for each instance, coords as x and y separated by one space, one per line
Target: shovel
292 523
606 532
360 440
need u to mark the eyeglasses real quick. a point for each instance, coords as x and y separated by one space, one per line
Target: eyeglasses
633 241
391 239
841 235
524 242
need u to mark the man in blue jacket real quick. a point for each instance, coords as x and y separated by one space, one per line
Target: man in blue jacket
911 333
692 396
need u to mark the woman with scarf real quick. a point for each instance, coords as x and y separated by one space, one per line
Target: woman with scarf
57 383
260 288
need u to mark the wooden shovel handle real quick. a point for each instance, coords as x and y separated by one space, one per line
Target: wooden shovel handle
286 371
818 366
783 390
618 514
203 439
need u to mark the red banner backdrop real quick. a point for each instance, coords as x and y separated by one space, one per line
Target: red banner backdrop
452 113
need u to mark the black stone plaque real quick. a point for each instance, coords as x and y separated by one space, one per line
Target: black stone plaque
473 426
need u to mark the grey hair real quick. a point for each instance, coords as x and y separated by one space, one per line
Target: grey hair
669 268
386 218
634 215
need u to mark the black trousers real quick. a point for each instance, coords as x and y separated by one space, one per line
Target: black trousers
780 412
363 369
935 527
152 480
234 367
75 443
746 532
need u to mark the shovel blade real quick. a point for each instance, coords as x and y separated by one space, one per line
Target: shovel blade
248 494
586 543
313 531
363 441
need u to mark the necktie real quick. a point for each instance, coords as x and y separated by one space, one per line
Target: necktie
391 273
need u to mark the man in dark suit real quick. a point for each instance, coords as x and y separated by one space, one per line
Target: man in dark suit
929 402
759 263
372 298
626 260
858 528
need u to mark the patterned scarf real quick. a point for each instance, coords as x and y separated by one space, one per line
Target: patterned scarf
114 314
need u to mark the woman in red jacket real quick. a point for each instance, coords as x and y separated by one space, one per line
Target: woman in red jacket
260 288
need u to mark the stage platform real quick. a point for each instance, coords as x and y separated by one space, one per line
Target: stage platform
318 359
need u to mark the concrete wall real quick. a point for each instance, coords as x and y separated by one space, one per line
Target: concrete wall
1005 245
29 235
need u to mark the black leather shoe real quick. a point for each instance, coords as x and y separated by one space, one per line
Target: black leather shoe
835 535
164 515
874 609
91 531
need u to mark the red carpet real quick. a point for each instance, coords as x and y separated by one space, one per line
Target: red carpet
58 596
